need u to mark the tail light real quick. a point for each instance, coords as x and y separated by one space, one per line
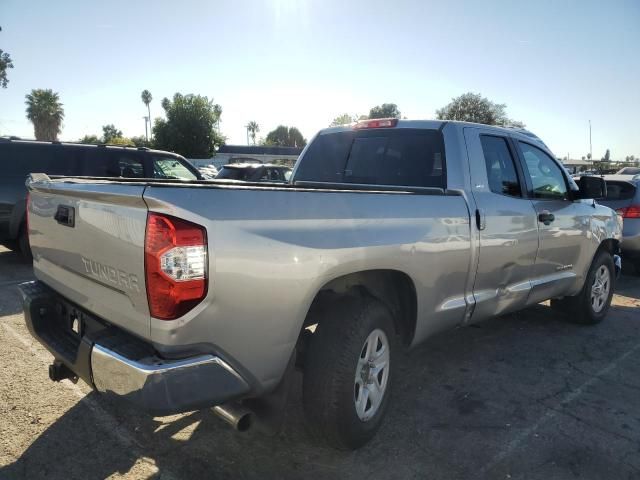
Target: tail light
377 123
175 254
27 211
629 212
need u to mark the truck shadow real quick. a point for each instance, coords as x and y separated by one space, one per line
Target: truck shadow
470 390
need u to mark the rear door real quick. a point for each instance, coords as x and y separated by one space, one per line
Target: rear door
564 224
506 223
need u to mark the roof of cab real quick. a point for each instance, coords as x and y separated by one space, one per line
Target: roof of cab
438 124
20 141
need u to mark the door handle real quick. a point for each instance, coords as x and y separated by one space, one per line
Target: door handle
546 217
481 219
65 216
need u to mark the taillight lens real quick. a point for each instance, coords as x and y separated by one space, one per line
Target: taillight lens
27 210
175 265
629 212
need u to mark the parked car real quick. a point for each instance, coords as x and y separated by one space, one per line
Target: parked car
629 171
623 195
18 158
255 172
389 232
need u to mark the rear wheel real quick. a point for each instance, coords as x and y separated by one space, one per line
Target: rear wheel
348 372
591 305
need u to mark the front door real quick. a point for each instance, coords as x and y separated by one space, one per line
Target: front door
506 221
563 224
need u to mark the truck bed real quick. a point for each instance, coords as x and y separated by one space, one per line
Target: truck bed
271 249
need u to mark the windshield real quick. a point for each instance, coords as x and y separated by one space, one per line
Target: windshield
171 167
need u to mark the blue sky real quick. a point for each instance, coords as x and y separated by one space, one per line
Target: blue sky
556 64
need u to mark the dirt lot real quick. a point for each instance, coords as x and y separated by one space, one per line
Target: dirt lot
522 396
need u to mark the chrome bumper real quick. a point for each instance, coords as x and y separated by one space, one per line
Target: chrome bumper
166 386
116 363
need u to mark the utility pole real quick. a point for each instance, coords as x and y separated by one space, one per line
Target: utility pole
247 127
590 149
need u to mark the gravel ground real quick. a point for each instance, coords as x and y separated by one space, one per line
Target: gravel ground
521 396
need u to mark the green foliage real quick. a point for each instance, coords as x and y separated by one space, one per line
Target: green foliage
607 156
473 107
5 64
386 110
189 128
91 139
45 111
253 128
284 136
124 141
109 132
141 141
344 119
146 97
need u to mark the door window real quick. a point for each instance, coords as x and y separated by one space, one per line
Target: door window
547 179
501 169
171 167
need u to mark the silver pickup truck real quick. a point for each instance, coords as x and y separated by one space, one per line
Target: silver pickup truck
183 295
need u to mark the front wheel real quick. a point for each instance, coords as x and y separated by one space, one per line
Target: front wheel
348 372
591 305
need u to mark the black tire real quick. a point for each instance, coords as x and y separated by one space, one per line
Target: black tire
329 390
23 243
579 309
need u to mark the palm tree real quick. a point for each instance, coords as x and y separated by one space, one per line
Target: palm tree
253 128
45 112
146 99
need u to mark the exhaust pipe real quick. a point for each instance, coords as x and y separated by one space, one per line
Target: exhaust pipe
235 415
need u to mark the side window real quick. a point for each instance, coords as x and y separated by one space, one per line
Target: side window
501 170
546 176
129 165
171 167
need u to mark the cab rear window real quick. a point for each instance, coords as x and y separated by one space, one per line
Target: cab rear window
394 157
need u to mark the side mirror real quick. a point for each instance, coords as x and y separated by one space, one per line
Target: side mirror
592 187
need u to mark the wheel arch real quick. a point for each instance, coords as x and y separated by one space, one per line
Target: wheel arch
392 287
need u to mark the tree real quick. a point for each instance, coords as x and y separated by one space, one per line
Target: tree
607 156
124 141
286 137
190 126
344 119
92 139
146 99
588 156
5 64
473 107
140 141
109 132
45 111
386 110
253 128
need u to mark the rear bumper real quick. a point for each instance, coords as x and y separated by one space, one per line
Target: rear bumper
118 364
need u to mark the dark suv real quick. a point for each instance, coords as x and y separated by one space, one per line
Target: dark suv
18 158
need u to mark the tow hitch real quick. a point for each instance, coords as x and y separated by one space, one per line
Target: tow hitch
59 371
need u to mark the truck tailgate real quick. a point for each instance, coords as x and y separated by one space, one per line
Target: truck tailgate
87 239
